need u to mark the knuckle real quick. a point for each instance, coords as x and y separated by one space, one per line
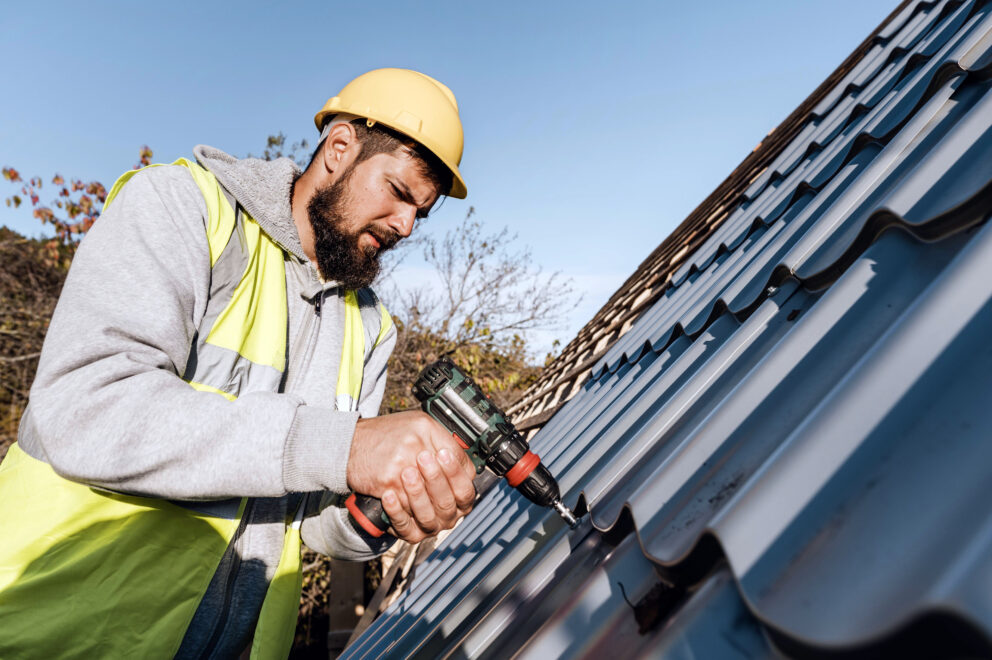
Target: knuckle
451 468
409 445
391 472
423 423
447 510
463 489
466 498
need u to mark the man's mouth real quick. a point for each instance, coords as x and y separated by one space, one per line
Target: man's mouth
381 242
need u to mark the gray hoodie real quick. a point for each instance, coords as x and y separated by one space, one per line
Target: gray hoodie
108 406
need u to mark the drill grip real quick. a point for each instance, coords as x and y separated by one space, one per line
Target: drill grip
367 514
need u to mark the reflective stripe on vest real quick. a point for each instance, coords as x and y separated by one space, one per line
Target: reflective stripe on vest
120 575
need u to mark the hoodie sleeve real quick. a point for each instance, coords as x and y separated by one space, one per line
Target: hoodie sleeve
327 529
108 406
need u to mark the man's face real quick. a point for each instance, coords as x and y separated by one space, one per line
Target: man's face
365 212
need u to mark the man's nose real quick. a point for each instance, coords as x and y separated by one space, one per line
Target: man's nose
402 220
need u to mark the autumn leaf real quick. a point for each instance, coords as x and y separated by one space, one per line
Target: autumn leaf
58 180
11 174
96 188
145 157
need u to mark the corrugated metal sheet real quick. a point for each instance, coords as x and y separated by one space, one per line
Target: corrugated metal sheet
569 371
790 452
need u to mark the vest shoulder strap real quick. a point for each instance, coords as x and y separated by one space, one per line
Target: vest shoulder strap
366 323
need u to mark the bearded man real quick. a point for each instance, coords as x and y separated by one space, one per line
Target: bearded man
208 391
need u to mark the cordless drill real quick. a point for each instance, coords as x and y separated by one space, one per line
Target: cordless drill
448 395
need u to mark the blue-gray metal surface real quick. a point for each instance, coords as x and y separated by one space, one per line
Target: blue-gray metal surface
789 453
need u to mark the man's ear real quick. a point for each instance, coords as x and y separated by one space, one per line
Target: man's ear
341 140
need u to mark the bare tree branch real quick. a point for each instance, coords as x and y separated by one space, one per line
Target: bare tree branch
19 358
485 300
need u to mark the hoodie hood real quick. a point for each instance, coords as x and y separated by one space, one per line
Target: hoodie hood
262 187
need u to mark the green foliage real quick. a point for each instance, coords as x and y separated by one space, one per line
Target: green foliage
503 370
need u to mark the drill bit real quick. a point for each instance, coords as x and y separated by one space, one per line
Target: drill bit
565 513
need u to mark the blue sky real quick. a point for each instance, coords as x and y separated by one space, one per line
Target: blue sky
592 130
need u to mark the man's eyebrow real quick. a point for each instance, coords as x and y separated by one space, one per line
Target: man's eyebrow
407 196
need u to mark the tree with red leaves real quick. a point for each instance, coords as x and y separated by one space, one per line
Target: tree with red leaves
75 208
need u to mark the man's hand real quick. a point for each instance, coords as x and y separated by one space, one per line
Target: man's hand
416 468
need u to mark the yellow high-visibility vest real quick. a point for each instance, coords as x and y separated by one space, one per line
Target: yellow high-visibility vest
122 576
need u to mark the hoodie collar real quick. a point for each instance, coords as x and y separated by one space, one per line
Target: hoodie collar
263 188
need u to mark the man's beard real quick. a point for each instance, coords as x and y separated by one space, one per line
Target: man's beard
339 257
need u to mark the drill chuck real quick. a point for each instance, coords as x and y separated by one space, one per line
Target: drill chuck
539 486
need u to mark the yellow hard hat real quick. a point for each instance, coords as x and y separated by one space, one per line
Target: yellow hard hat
413 104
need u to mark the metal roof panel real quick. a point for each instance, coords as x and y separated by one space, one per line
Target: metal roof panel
786 454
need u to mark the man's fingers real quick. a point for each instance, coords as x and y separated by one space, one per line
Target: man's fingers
420 502
403 525
438 489
465 463
402 454
462 488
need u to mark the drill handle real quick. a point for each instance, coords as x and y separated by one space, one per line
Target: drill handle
367 514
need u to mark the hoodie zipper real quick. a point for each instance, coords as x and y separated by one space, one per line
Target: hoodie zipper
232 576
304 339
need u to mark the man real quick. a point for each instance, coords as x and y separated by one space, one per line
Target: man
208 389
